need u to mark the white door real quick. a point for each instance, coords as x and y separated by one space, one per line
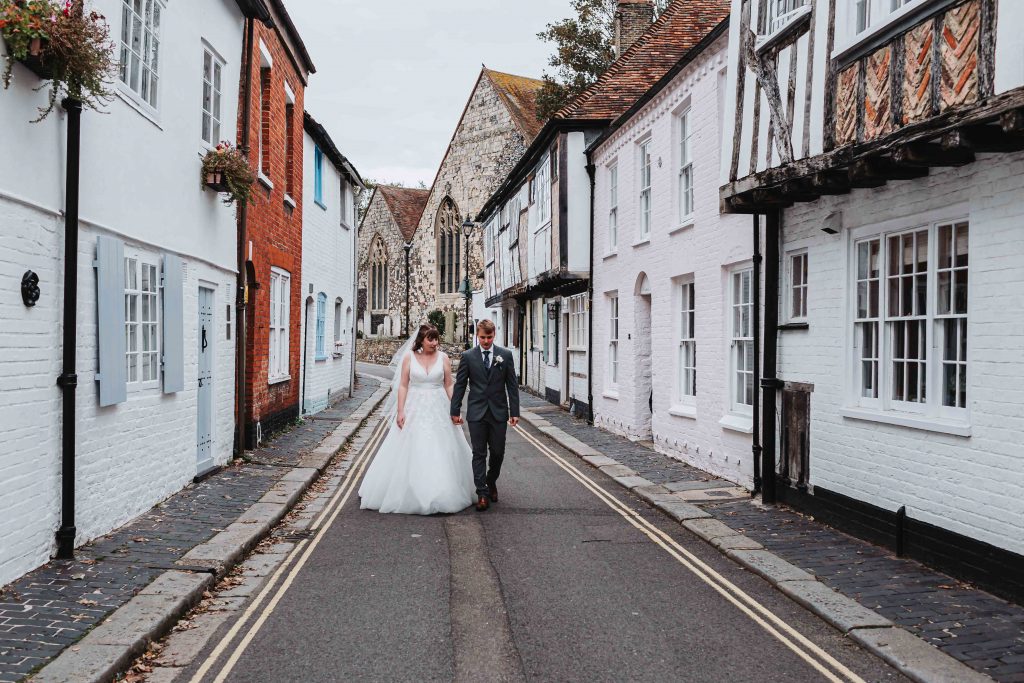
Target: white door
204 421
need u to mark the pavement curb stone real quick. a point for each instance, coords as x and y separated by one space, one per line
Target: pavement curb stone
905 652
110 648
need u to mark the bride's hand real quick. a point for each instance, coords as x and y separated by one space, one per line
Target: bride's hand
400 420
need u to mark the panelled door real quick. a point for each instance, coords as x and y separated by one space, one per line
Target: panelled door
204 421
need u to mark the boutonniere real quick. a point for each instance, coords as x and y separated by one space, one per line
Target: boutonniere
498 360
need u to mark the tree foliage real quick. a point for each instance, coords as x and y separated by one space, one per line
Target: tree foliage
584 49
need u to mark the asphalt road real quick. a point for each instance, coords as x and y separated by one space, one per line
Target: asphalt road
554 583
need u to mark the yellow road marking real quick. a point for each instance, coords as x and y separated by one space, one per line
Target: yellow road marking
302 550
786 634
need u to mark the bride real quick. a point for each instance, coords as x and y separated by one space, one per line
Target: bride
424 465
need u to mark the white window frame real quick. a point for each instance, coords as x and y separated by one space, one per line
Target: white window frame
142 321
644 198
613 339
882 404
797 262
741 337
613 206
878 15
783 12
684 131
536 325
321 327
338 330
543 181
213 80
684 382
134 62
577 304
280 316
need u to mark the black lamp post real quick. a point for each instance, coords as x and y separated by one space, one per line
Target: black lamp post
408 246
467 230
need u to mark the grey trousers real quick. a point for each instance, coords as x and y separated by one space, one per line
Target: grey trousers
487 434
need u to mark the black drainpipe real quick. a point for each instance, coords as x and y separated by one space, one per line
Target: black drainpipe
590 305
756 430
770 382
68 380
407 246
241 319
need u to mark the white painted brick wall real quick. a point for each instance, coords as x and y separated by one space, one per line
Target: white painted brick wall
970 485
706 251
129 456
327 266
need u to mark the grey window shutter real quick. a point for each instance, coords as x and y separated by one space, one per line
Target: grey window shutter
174 326
112 375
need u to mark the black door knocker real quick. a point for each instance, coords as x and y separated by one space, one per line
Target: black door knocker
30 288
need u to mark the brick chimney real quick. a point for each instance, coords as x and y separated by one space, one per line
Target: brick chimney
632 18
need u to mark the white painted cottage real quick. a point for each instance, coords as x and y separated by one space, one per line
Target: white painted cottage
882 141
329 243
156 263
673 278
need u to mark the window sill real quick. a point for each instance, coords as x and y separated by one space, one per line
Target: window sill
683 411
345 226
795 325
738 423
133 101
289 201
319 359
613 395
610 254
912 421
640 243
686 225
320 204
264 180
792 25
279 380
847 50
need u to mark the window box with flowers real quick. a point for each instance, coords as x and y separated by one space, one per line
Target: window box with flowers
226 170
60 42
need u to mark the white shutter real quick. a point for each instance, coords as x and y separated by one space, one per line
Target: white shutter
173 326
110 330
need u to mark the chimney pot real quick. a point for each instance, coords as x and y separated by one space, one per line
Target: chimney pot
632 18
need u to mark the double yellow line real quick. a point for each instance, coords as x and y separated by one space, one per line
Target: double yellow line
292 564
832 669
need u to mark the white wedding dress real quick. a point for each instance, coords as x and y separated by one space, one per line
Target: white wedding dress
426 467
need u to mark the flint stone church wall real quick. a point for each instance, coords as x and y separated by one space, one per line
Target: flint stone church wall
380 221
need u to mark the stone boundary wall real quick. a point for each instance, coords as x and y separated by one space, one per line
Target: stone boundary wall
380 351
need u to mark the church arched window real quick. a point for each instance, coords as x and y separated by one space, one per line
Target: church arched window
378 275
449 247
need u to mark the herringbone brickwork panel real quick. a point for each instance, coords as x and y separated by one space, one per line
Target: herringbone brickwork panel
878 94
846 106
917 78
959 55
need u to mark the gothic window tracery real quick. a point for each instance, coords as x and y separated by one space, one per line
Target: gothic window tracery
449 247
378 275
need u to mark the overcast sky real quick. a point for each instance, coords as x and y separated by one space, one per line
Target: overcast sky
393 75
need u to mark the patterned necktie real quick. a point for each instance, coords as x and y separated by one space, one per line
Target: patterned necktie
487 359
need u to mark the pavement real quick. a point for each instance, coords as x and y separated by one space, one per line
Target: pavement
926 624
87 618
567 578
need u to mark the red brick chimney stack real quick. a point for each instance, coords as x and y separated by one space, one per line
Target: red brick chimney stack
632 18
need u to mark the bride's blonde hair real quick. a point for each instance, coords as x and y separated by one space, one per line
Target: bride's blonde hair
427 331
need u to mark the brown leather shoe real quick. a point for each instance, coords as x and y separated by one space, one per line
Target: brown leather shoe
492 492
482 504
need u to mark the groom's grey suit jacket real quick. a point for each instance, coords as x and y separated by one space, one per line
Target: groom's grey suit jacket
495 391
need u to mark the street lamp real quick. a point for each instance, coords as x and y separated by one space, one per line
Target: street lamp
467 230
408 246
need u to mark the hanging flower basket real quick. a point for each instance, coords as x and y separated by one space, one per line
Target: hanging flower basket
227 171
60 42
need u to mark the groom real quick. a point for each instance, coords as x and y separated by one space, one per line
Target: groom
493 400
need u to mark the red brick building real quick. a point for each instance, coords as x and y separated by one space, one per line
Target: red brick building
271 228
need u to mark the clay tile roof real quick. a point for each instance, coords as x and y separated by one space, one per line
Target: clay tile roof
679 28
519 94
406 205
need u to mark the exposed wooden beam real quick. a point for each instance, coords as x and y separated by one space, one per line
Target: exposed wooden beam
877 171
770 198
831 182
799 190
982 140
1012 121
931 154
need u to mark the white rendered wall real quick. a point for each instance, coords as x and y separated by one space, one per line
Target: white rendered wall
970 485
705 250
140 183
327 262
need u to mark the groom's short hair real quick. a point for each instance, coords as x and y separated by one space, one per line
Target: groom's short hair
485 326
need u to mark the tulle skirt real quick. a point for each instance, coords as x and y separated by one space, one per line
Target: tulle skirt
425 468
